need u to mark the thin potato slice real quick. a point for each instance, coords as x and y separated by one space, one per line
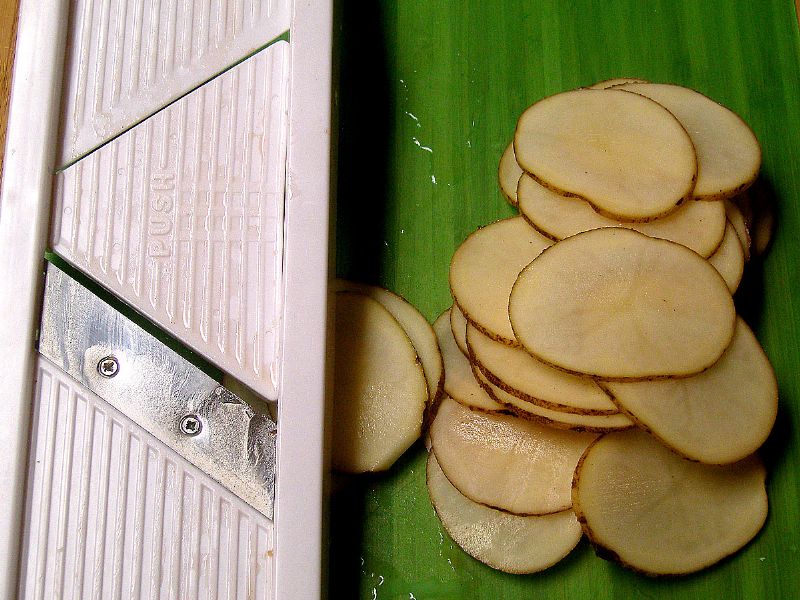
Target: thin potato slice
736 218
506 462
695 224
616 304
625 154
720 416
549 417
508 174
459 382
661 514
458 325
728 153
484 268
728 260
610 83
380 390
517 372
510 543
416 327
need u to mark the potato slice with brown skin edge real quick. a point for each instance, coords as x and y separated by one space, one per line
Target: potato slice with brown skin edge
503 541
484 268
698 225
508 174
728 260
506 462
661 514
736 218
616 304
728 153
459 383
380 390
610 83
627 157
518 373
458 325
720 416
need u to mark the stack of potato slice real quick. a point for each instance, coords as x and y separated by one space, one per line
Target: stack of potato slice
597 377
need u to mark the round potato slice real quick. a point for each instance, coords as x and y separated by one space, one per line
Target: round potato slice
695 224
736 218
485 266
625 154
510 543
720 416
617 304
517 372
459 383
549 417
662 514
506 462
728 260
416 327
458 324
728 153
609 83
380 390
508 174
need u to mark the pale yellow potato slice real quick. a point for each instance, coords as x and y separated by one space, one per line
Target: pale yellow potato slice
720 416
518 373
416 327
728 153
695 224
609 83
661 514
485 267
458 324
506 462
459 383
736 218
506 542
625 154
617 304
379 392
508 174
549 417
728 260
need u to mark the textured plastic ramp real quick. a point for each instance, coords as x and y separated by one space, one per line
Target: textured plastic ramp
113 513
182 216
126 60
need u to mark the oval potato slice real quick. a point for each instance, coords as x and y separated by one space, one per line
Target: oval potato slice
720 416
662 514
617 304
628 157
736 218
506 462
510 543
458 324
380 390
728 260
485 267
508 174
697 225
728 153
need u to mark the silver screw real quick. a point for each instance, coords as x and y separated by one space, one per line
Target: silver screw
108 366
191 425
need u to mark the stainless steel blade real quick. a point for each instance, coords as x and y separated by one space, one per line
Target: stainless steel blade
164 393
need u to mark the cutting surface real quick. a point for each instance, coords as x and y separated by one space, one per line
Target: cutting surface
429 97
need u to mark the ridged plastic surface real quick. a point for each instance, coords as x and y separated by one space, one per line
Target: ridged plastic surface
182 216
113 513
128 58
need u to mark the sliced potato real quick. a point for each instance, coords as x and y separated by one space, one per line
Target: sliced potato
695 224
662 514
517 372
510 543
720 416
508 174
609 83
485 266
728 153
616 304
549 417
728 260
459 383
380 390
736 218
506 462
416 327
625 154
458 325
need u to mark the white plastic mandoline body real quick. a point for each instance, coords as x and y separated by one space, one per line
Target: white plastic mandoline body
178 153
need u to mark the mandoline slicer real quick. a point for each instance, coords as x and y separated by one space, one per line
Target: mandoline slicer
174 155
